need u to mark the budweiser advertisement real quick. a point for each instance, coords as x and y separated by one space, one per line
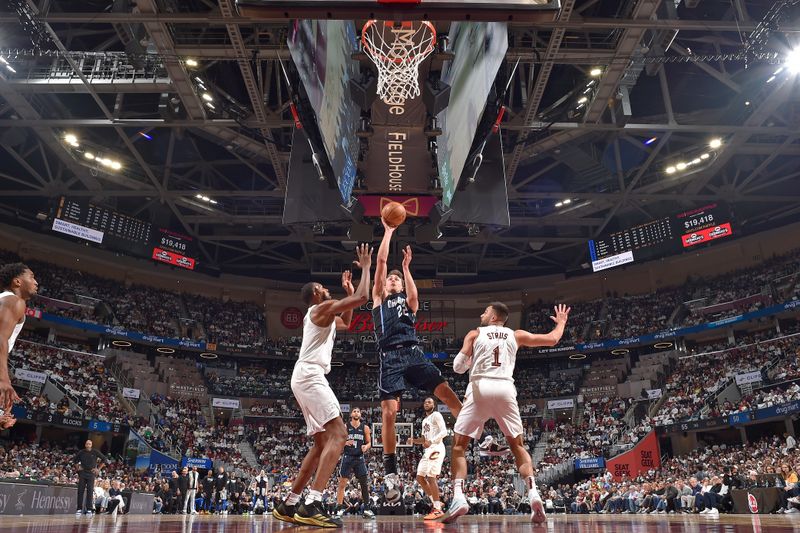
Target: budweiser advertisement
643 457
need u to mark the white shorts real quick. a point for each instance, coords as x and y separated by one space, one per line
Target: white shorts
431 463
315 397
489 398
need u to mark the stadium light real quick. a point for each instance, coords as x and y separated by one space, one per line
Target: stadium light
595 72
191 63
792 62
715 143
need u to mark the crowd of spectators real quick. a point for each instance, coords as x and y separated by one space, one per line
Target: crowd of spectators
82 377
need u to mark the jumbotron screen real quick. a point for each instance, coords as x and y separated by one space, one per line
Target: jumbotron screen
101 225
661 237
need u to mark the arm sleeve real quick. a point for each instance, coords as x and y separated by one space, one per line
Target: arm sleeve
461 363
439 437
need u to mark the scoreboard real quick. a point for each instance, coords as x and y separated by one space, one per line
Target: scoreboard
661 237
91 222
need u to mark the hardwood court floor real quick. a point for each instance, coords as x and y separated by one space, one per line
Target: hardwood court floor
472 524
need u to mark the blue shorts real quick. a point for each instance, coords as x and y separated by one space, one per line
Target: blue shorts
352 464
404 368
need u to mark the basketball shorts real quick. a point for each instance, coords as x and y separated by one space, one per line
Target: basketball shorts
489 398
352 464
315 397
405 368
432 460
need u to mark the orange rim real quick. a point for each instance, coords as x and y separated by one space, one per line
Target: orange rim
406 23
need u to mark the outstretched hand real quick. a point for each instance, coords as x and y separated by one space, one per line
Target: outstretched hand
562 314
364 254
407 256
7 421
347 282
387 227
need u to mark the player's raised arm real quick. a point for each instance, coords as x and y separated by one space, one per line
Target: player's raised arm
530 340
350 302
343 320
463 360
380 266
412 296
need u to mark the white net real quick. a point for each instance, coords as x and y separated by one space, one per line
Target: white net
397 49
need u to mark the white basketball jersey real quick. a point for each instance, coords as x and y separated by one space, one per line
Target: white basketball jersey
17 328
494 353
434 428
317 346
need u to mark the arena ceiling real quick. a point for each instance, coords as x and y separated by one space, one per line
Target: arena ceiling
674 75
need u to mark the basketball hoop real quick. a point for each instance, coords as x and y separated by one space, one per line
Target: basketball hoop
397 49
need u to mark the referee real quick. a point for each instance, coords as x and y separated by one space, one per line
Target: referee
86 460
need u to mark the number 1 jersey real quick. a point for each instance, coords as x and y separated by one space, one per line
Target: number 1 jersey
494 353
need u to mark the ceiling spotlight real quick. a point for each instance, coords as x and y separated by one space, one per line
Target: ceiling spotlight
670 170
747 102
715 143
116 165
71 139
198 196
88 155
210 105
559 204
567 201
704 156
792 62
696 161
771 79
595 72
207 97
583 100
651 140
191 63
681 165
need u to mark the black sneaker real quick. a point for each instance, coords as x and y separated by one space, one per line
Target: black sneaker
285 512
313 514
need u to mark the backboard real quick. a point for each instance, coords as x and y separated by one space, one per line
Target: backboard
476 10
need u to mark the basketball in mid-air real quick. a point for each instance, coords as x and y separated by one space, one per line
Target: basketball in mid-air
393 214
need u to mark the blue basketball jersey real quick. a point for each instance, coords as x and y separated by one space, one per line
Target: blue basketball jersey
357 435
394 322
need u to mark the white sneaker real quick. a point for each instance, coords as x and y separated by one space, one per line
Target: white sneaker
458 507
194 512
705 511
537 511
793 510
368 513
714 512
78 514
654 511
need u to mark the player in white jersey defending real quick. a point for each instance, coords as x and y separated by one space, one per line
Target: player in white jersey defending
314 395
17 286
490 353
434 431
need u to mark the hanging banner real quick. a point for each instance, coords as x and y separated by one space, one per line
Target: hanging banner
748 377
561 404
643 457
132 394
653 394
30 375
225 403
590 463
197 462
